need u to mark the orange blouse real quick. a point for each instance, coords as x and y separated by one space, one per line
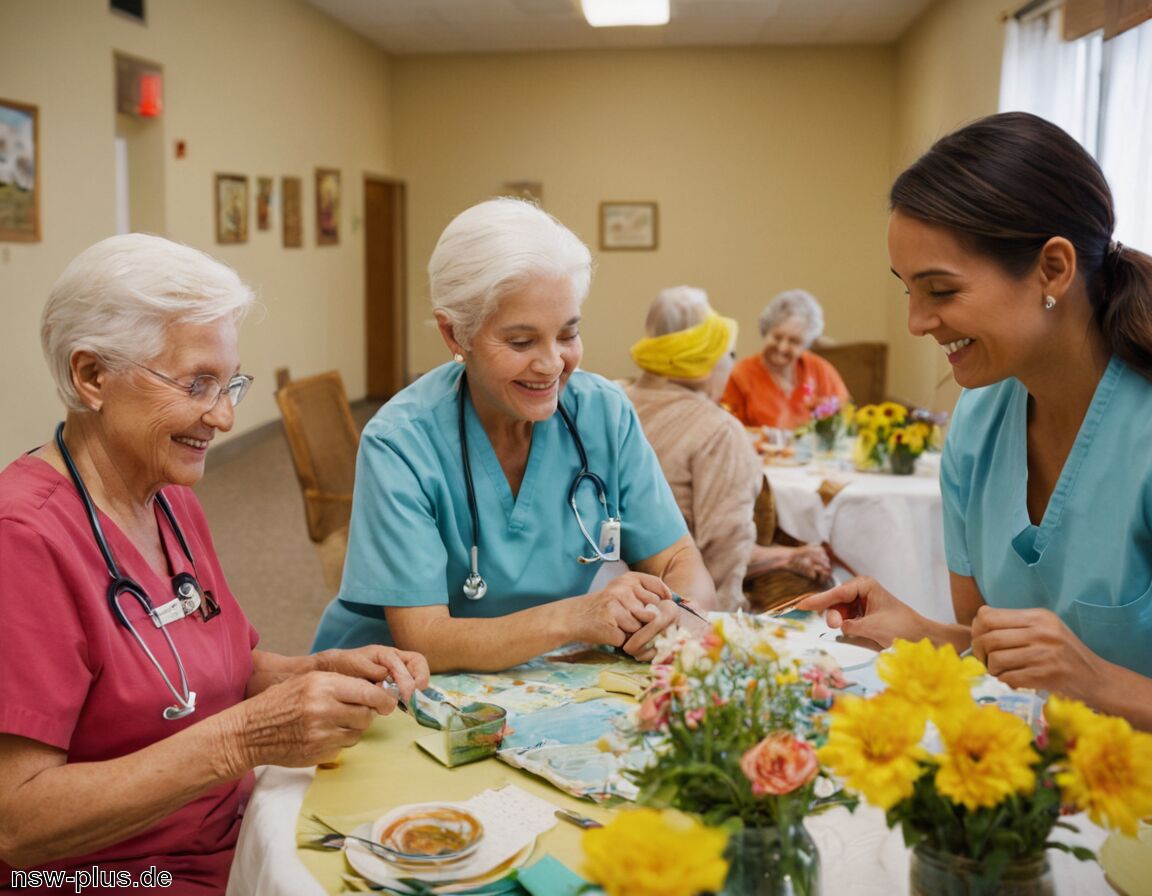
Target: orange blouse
754 397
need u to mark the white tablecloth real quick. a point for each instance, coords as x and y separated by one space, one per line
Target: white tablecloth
884 526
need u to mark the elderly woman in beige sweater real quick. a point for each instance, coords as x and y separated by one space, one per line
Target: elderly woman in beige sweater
703 450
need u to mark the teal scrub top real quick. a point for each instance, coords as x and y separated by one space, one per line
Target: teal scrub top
1090 559
411 533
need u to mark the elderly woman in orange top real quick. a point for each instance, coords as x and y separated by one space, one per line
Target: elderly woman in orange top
780 386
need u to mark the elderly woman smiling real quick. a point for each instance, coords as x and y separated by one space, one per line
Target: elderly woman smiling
490 490
779 386
133 705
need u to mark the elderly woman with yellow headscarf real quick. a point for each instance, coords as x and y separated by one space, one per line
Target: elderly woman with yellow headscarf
703 450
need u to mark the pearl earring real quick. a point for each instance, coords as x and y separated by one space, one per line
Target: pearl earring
458 358
1049 303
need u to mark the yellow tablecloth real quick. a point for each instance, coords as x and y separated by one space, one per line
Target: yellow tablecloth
387 769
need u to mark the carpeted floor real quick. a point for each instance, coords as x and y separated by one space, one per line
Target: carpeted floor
256 512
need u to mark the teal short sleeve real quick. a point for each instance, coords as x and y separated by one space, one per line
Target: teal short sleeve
953 492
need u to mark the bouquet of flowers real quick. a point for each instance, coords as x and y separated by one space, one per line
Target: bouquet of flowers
829 417
732 725
890 431
987 792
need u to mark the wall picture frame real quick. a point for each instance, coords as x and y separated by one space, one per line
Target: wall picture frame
292 217
630 226
19 172
264 188
327 206
231 208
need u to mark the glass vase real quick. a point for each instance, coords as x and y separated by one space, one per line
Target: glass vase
772 861
901 463
936 873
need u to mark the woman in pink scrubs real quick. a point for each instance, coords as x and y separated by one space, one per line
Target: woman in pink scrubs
128 738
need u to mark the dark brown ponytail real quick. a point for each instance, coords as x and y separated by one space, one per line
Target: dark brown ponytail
1008 183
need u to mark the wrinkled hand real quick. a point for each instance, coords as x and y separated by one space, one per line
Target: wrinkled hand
302 720
810 560
627 605
640 645
1034 649
375 663
862 608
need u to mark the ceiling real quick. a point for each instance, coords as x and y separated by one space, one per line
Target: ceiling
479 26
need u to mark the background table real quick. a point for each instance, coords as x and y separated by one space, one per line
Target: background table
884 526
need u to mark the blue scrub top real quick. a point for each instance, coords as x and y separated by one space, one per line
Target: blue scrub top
1090 559
411 532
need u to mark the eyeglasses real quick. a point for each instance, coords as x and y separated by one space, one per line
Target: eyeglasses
206 390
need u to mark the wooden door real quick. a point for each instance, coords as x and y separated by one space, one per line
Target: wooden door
385 297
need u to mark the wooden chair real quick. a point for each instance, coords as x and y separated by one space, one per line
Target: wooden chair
862 365
323 439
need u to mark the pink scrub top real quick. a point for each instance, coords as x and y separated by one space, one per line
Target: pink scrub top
73 677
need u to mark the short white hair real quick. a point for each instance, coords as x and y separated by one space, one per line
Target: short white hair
118 298
495 248
795 303
676 308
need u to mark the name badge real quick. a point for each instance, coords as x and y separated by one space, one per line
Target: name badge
167 613
610 539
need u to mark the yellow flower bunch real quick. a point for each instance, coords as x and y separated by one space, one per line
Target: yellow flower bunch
989 772
913 438
651 852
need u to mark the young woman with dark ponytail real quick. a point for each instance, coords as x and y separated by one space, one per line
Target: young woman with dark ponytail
1003 235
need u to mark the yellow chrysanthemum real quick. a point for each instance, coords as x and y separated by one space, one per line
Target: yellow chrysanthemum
647 852
908 437
864 451
1067 718
987 757
1109 773
866 416
874 745
892 413
934 678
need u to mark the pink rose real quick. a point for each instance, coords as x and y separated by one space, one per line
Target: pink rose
693 718
653 712
779 764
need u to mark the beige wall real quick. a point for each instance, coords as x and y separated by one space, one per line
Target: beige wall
769 166
259 87
947 73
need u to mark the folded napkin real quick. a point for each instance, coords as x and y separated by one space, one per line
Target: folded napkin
550 877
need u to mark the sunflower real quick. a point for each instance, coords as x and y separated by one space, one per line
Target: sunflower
928 676
874 745
988 757
1109 773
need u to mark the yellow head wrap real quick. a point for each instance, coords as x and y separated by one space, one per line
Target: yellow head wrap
687 354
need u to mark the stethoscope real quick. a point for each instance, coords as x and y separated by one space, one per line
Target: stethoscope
474 585
189 596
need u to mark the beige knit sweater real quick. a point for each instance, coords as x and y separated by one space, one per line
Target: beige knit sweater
714 472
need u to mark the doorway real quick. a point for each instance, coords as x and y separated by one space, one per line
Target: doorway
385 295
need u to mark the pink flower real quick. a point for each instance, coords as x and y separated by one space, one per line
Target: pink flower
653 712
693 717
779 764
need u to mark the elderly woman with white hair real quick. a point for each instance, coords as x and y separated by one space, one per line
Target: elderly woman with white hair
133 701
780 385
489 491
704 453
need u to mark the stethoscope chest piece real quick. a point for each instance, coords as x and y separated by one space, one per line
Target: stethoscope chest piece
182 708
474 586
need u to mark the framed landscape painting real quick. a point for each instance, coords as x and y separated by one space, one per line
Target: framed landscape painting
628 225
19 172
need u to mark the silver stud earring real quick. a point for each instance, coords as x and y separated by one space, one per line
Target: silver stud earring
458 358
1049 303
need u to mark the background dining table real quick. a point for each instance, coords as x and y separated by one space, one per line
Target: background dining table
882 525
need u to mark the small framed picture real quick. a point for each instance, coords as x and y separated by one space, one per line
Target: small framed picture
628 225
231 208
263 203
19 172
327 206
291 191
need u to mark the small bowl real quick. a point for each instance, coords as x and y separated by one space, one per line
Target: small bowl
426 834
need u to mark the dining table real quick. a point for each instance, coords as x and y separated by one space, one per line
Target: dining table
860 855
889 527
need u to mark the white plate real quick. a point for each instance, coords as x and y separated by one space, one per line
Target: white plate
486 866
389 830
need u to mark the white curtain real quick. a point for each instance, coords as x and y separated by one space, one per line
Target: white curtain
1126 133
1056 79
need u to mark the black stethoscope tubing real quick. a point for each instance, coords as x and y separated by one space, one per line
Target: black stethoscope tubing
474 585
121 584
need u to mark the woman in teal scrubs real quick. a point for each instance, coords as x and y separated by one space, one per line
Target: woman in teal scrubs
1002 234
469 547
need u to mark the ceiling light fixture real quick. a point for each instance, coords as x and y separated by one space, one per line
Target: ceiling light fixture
614 13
